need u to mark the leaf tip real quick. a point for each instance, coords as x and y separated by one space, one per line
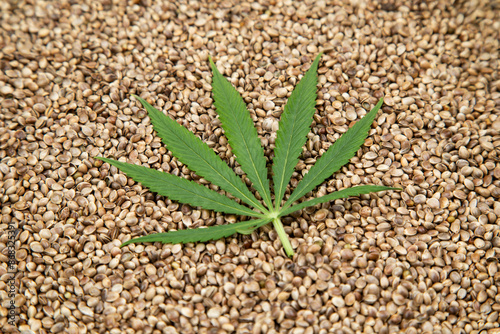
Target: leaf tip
316 60
133 241
126 243
212 64
140 99
377 107
101 158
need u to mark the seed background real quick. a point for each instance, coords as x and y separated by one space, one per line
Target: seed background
421 260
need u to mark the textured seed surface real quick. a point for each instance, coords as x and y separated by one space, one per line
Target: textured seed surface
422 260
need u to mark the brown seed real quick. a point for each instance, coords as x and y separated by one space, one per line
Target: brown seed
36 247
39 107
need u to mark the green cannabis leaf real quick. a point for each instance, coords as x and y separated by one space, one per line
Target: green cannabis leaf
242 137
